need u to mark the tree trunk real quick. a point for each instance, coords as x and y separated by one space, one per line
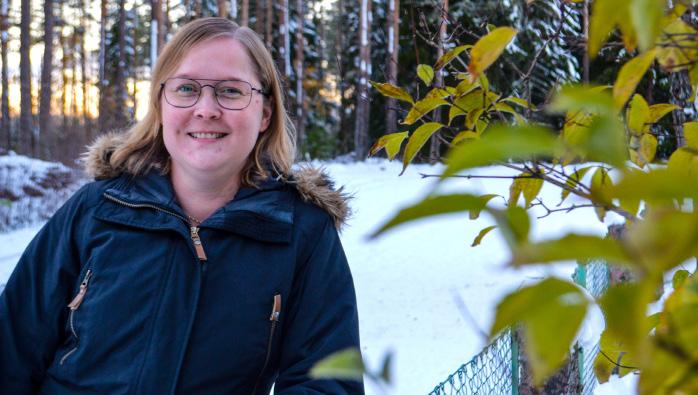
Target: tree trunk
393 19
65 49
245 13
299 59
259 15
46 70
435 144
102 116
680 93
155 30
5 129
268 33
83 71
222 8
284 37
120 80
362 115
26 130
73 80
345 135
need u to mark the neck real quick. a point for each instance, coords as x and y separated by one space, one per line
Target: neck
202 194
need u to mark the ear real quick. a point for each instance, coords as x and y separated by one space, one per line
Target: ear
267 112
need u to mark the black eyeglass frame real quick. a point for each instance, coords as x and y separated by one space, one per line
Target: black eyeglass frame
252 89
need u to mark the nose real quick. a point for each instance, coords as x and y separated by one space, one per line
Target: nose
207 106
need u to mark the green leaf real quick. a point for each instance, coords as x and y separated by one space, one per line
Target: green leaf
474 213
450 55
391 142
341 365
417 140
647 18
624 307
466 86
679 278
656 186
663 239
629 76
606 142
421 108
434 205
425 73
488 48
574 98
395 92
498 144
690 131
513 223
638 114
570 247
550 307
482 234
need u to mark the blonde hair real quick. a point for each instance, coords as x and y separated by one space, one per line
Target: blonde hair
143 148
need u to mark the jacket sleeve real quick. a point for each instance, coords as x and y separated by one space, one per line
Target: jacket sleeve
321 319
33 303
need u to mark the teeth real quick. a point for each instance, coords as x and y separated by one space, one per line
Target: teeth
207 135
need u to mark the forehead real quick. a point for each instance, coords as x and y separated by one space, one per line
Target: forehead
218 58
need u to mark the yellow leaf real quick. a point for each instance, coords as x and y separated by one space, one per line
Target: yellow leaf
391 143
573 181
690 131
425 73
473 117
465 135
449 56
676 46
600 182
629 76
417 140
638 114
605 15
521 102
465 87
488 48
389 90
684 161
439 92
657 111
421 108
648 147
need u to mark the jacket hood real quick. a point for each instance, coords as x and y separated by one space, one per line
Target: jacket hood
312 184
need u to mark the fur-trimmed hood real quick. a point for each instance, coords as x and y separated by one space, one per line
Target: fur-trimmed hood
313 184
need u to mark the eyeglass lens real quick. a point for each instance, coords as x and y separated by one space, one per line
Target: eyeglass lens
230 94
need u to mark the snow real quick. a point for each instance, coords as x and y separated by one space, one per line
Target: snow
424 294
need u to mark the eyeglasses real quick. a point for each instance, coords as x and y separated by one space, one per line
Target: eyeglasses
230 94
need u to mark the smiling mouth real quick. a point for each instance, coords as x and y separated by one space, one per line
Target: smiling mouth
207 135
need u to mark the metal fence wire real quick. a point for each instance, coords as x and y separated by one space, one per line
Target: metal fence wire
488 373
496 369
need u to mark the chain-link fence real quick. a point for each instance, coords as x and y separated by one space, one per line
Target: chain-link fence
497 370
492 372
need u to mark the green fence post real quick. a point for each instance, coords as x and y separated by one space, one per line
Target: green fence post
580 275
514 362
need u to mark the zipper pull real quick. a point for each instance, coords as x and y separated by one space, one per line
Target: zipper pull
276 309
77 300
197 243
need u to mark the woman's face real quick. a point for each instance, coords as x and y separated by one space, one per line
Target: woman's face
207 139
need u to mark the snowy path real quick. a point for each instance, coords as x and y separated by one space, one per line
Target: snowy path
408 280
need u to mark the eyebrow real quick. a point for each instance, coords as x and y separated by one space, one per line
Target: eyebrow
187 76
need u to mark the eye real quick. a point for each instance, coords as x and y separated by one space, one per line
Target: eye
186 88
230 91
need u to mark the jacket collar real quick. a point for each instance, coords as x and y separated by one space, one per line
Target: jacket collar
264 213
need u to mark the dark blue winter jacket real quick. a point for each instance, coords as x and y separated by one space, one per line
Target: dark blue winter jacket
118 295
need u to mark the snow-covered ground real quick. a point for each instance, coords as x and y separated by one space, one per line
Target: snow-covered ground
424 294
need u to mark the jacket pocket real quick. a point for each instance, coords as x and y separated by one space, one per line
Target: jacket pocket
74 305
274 321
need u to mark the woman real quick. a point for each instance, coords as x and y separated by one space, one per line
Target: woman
197 263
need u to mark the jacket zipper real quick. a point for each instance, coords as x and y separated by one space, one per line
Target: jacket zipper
74 305
193 230
274 318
